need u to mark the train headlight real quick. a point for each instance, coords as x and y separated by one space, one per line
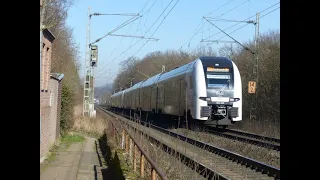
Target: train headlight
234 99
205 98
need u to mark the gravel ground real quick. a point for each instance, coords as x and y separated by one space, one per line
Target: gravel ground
265 155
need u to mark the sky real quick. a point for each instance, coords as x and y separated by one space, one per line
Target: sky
183 27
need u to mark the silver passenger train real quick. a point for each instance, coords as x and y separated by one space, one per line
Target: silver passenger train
207 91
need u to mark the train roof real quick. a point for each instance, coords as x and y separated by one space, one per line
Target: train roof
135 86
222 61
117 93
151 80
176 71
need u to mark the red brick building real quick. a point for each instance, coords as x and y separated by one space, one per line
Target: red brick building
47 40
50 97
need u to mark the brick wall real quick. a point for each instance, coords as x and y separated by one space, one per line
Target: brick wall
45 120
59 109
46 61
50 116
53 87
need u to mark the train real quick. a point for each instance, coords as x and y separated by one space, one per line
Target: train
206 91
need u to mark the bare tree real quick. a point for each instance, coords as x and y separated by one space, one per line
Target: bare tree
53 12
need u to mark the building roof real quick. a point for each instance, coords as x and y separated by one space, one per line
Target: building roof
48 34
57 76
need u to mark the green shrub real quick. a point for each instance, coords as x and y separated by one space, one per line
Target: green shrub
66 108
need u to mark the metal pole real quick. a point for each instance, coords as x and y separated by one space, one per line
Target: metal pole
255 70
257 45
88 59
93 91
86 101
40 66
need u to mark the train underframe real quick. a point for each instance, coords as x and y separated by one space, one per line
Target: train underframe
219 117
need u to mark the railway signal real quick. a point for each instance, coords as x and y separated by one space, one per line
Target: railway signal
94 55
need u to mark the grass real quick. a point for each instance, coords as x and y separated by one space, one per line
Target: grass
72 138
125 166
51 156
90 126
115 159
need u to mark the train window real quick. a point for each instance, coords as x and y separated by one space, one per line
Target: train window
218 81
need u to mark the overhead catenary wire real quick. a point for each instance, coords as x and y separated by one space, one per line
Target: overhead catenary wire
114 49
116 29
220 7
247 24
243 20
129 47
246 19
98 72
202 25
160 16
120 26
126 34
231 37
197 32
235 7
156 28
144 34
227 20
143 24
237 24
119 43
118 14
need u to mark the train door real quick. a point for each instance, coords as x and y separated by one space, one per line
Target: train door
139 96
157 96
182 98
160 98
150 104
153 99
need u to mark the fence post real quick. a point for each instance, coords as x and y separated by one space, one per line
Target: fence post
127 142
134 158
130 149
122 143
153 174
142 165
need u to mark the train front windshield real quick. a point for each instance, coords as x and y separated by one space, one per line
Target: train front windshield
218 78
218 81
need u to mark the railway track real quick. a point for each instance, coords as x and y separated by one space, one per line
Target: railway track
227 164
246 137
263 141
